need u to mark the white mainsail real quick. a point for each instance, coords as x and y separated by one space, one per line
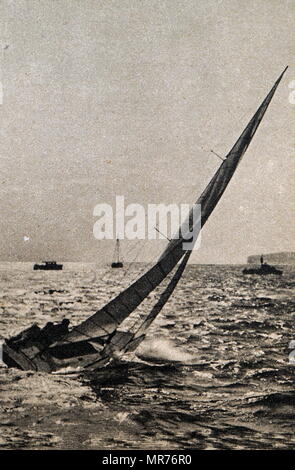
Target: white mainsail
94 342
106 320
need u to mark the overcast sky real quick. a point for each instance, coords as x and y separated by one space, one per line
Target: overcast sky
127 97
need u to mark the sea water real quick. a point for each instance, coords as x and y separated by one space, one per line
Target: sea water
213 373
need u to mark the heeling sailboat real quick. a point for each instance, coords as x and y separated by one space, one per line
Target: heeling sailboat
94 342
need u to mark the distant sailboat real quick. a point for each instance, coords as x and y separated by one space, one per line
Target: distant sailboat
96 341
117 263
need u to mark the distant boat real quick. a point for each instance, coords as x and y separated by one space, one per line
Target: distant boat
48 266
98 340
263 269
117 263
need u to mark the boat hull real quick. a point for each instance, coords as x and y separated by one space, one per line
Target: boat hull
55 358
117 265
263 272
57 267
19 360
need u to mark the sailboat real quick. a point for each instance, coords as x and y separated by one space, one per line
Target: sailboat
117 263
96 341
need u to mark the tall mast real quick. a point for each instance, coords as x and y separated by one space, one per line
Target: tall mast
118 250
106 320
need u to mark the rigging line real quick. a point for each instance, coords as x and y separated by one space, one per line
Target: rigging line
169 239
144 267
139 250
130 265
135 247
127 270
138 274
212 151
188 193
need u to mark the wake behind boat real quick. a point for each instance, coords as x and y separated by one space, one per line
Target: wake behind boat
95 342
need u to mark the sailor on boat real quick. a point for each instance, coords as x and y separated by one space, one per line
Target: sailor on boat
46 336
52 333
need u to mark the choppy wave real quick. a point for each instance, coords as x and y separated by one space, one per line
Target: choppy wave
162 350
212 373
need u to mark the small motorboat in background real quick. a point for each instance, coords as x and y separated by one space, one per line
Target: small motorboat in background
48 266
263 269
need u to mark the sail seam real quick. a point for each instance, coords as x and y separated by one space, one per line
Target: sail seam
110 315
138 295
124 305
99 326
150 283
76 329
162 270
